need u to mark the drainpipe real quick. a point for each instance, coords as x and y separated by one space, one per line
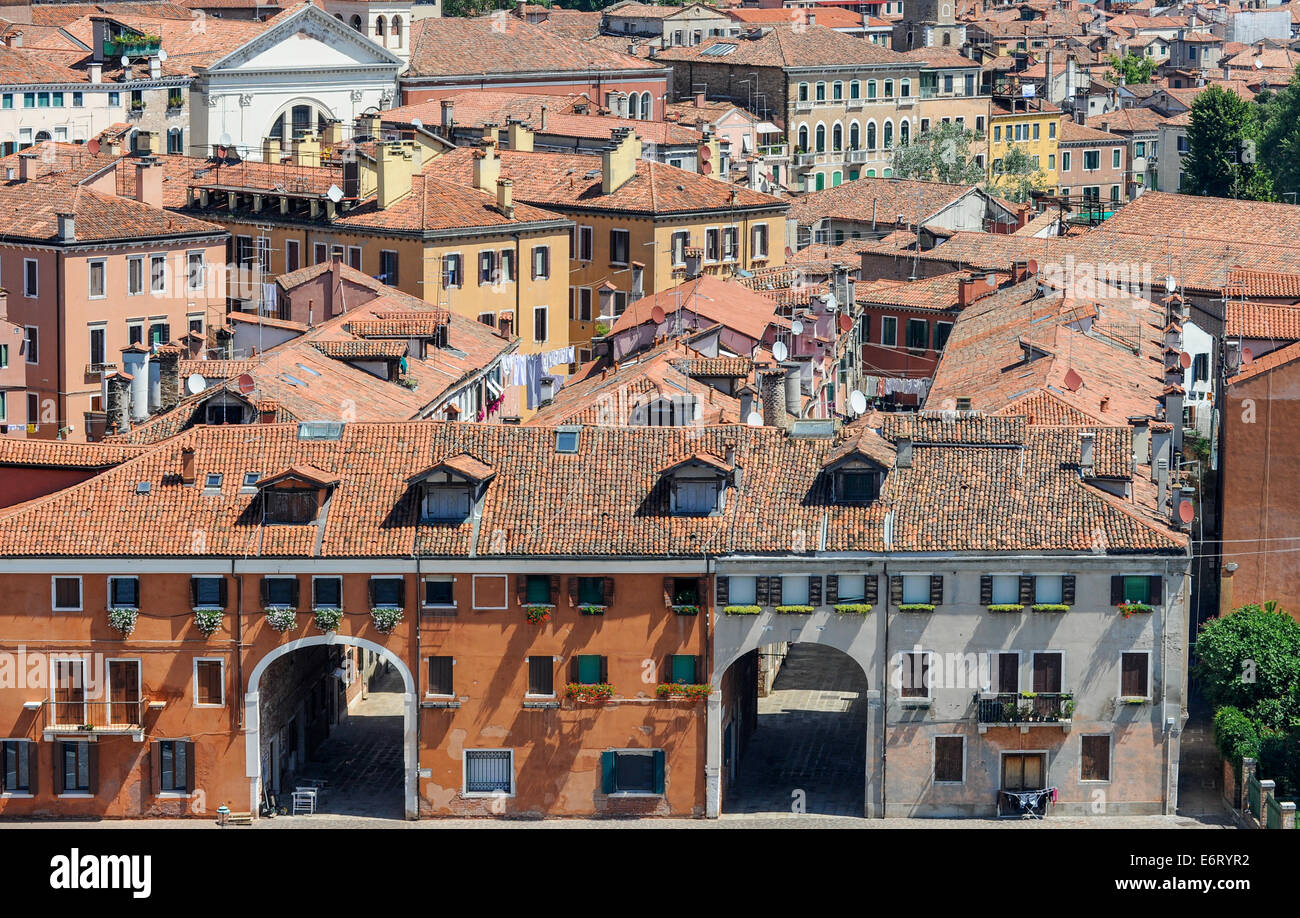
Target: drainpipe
239 643
884 692
419 583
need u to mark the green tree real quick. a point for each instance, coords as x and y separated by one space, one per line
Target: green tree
1132 67
1250 660
942 154
1279 146
1221 148
1015 176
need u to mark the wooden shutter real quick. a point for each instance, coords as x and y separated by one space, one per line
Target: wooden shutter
573 669
573 592
658 756
58 767
1157 590
155 767
896 590
266 592
722 589
1026 591
986 590
668 592
293 593
1067 589
814 591
92 753
607 772
1133 675
872 584
936 589
774 587
832 589
1047 672
194 591
701 590
222 592
761 596
555 589
604 668
1008 672
370 592
609 591
521 588
1116 589
33 768
190 766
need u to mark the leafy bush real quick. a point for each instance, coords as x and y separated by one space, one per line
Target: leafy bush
328 619
208 621
853 608
1235 735
1250 659
741 610
386 620
794 610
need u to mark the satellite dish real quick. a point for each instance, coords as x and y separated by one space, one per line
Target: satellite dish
245 384
126 61
1184 360
225 140
1031 266
857 401
93 146
1171 283
990 280
706 153
195 383
1186 512
780 351
417 123
1246 355
706 168
1073 380
335 193
657 315
789 252
1258 63
754 420
846 322
162 54
796 327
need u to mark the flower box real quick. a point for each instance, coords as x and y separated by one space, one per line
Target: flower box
281 618
123 620
1006 607
853 608
682 690
208 620
1127 609
386 619
537 614
597 692
328 618
916 607
687 609
589 608
741 610
794 610
1051 607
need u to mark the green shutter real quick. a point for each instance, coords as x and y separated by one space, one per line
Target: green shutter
658 771
607 772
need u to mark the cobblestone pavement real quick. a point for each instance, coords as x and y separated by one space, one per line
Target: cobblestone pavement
808 749
361 762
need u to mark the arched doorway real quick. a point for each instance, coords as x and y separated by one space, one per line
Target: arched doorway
795 727
263 753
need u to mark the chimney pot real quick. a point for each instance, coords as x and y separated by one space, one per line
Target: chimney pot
187 465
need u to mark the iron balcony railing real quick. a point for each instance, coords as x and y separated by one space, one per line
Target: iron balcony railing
1025 708
94 715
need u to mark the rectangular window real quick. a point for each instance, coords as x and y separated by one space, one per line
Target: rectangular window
157 273
758 244
1094 757
114 99
209 682
730 244
584 304
439 592
915 675
487 268
1047 672
1048 588
1091 160
489 771
889 331
386 592
208 592
124 592
683 669
541 676
97 270
1051 129
711 245
591 591
680 242
31 282
1006 589
742 591
507 261
327 592
941 332
540 332
1022 771
17 758
949 759
916 588
1007 673
1114 158
633 771
440 682
74 766
794 591
451 272
292 256
537 589
585 236
589 669
195 271
620 242
918 334
66 595
541 262
174 766
852 587
319 253
98 353
280 591
1137 589
135 275
7 100
1133 675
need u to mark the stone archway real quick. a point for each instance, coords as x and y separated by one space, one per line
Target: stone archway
252 716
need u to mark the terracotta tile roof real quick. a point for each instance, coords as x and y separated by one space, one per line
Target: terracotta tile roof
606 500
566 181
1269 362
731 367
1242 282
883 199
1262 320
828 16
789 47
722 302
1079 133
448 47
362 350
308 474
217 369
19 66
188 49
61 454
424 323
62 14
249 318
938 292
819 258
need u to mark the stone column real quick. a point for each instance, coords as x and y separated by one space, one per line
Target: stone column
713 754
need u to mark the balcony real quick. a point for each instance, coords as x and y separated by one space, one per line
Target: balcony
95 717
1024 710
774 151
98 369
803 105
132 46
855 104
804 160
858 156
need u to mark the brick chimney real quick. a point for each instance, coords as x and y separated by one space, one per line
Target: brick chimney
187 465
487 168
772 395
506 197
448 117
149 183
169 377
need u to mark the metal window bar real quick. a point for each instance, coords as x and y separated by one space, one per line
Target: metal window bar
487 772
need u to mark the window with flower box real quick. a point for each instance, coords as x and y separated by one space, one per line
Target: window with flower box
280 592
327 592
588 669
124 592
387 592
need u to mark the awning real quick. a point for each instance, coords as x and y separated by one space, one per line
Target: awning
767 127
493 387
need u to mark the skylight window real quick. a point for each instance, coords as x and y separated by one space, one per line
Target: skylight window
212 481
250 481
566 440
142 487
719 50
320 430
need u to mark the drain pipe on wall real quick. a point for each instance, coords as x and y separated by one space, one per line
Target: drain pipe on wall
239 642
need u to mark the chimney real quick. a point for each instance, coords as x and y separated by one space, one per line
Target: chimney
95 71
266 413
67 228
519 136
155 67
149 183
333 135
487 168
271 150
306 152
26 166
793 395
117 402
135 363
187 465
699 100
169 377
903 453
541 124
394 174
1162 482
1086 443
365 126
1141 440
146 143
506 197
773 398
618 161
448 117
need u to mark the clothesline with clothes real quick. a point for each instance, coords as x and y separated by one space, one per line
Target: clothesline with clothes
529 370
880 386
1025 803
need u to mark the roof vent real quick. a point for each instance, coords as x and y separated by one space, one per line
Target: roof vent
813 428
142 487
320 430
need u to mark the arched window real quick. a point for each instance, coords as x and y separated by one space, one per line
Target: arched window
947 39
646 103
904 132
381 32
871 135
356 23
803 138
855 136
821 138
889 135
837 91
175 141
397 31
837 137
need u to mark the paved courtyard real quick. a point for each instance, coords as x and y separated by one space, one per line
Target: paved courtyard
808 749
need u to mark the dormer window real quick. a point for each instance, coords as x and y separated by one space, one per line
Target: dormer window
856 468
696 497
697 484
295 495
290 505
450 488
856 486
